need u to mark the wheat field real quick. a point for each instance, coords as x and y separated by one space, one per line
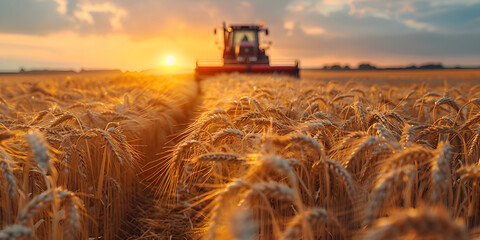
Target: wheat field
355 155
73 150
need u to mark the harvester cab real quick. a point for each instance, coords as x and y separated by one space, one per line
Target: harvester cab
242 53
241 44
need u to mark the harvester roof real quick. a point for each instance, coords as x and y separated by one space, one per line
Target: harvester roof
243 27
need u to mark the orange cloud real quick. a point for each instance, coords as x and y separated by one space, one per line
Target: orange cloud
312 30
62 6
85 10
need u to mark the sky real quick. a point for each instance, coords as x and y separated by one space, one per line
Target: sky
140 34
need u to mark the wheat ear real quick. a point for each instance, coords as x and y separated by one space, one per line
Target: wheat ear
423 221
15 232
71 202
384 188
312 217
37 143
6 167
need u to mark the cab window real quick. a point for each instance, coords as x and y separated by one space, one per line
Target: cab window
244 36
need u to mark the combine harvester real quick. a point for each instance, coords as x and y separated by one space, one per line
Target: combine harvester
242 53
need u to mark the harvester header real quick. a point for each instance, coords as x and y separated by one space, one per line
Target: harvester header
242 53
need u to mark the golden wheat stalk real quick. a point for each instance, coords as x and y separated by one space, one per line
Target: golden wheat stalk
441 179
471 172
386 186
311 218
15 232
37 143
40 202
6 167
445 100
218 157
423 222
242 225
226 133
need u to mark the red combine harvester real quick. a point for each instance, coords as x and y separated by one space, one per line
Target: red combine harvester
242 53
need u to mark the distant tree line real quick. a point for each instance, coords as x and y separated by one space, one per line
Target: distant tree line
369 66
58 71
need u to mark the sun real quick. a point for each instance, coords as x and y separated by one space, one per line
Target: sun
170 60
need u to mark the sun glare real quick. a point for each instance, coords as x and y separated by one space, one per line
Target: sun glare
170 60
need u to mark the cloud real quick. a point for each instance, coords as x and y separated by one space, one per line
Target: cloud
330 6
413 45
62 6
312 30
148 18
342 23
41 17
31 17
289 25
454 18
420 25
84 12
298 6
303 28
449 2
